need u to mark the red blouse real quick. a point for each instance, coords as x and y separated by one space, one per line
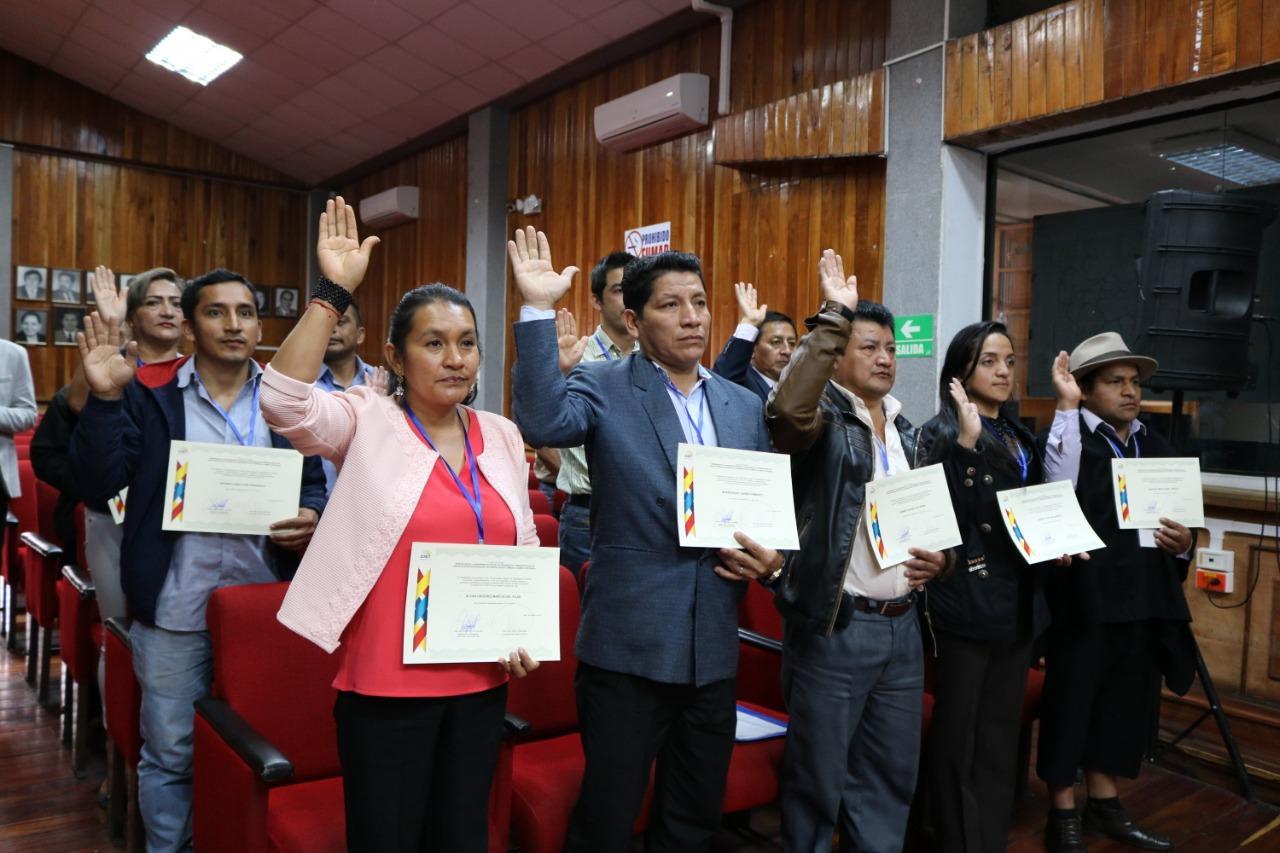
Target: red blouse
372 645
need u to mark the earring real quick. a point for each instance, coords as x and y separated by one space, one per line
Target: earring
399 392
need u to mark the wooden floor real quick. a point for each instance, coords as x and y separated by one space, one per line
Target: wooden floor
43 807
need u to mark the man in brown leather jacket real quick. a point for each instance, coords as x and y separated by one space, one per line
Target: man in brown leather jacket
853 668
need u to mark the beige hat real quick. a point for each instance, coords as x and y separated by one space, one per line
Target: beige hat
1108 348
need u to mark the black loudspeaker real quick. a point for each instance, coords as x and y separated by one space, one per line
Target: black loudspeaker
1198 276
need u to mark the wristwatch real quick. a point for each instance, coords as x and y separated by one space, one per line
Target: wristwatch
839 308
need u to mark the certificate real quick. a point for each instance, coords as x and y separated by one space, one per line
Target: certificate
226 488
720 490
1147 490
1046 521
910 510
478 603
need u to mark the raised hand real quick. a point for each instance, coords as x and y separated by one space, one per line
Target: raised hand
342 257
539 284
105 369
1065 387
571 346
832 282
379 379
112 304
967 415
747 311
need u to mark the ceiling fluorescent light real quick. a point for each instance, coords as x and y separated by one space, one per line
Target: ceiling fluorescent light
195 57
1229 155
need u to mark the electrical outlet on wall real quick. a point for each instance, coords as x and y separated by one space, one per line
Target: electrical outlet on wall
1218 561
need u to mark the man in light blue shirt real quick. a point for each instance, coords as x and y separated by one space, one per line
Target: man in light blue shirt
343 369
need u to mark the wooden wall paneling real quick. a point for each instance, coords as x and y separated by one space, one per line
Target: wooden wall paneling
1054 60
1155 46
951 119
1093 58
1248 34
1225 33
1270 30
1019 71
1201 37
986 67
969 80
1133 37
1180 50
1037 77
1072 49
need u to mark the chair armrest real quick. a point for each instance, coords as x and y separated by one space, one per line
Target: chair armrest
260 754
120 627
40 545
79 581
515 727
760 641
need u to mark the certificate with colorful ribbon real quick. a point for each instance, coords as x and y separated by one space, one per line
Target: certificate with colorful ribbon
1149 489
720 491
228 488
478 603
1046 522
910 510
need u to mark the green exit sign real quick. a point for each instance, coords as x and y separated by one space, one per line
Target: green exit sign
913 335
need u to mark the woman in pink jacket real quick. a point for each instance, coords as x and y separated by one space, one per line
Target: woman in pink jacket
417 743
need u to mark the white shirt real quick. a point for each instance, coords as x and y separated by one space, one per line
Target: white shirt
864 576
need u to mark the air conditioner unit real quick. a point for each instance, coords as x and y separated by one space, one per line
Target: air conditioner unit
655 113
389 207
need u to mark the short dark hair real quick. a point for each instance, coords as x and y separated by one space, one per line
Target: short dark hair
30 273
600 272
640 274
191 294
407 308
873 312
777 317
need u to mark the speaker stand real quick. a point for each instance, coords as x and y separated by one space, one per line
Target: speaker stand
1215 708
1202 671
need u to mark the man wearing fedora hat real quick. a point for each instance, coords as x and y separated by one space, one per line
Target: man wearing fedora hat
1120 620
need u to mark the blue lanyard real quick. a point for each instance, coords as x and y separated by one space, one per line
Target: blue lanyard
226 416
702 404
604 350
884 453
1024 457
1117 449
473 497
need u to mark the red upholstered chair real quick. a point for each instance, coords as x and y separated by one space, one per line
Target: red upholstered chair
23 512
558 501
547 760
78 612
760 665
548 530
266 775
122 707
533 478
42 560
538 502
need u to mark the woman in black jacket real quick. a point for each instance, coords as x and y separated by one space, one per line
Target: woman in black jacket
989 609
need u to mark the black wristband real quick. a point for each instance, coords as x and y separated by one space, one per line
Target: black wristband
335 294
840 308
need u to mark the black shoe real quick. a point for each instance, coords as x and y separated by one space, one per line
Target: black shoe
1064 835
1116 824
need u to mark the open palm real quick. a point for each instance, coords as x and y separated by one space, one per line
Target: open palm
112 304
537 280
832 281
106 369
342 257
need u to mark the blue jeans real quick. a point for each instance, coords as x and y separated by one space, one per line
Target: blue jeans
853 746
174 669
575 537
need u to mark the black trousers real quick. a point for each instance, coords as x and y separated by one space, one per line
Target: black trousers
973 740
416 773
1101 687
627 722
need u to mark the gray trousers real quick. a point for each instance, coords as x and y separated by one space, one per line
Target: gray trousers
853 746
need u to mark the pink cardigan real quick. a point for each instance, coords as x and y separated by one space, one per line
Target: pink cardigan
383 468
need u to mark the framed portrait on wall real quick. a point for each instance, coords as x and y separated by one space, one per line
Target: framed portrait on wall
286 302
31 283
262 296
30 325
66 322
66 286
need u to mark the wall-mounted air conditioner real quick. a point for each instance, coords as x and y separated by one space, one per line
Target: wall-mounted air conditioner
655 113
389 207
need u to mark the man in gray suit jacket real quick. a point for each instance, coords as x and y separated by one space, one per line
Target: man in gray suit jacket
17 413
657 645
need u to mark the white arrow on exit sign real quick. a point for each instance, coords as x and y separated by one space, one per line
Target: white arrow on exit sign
909 329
